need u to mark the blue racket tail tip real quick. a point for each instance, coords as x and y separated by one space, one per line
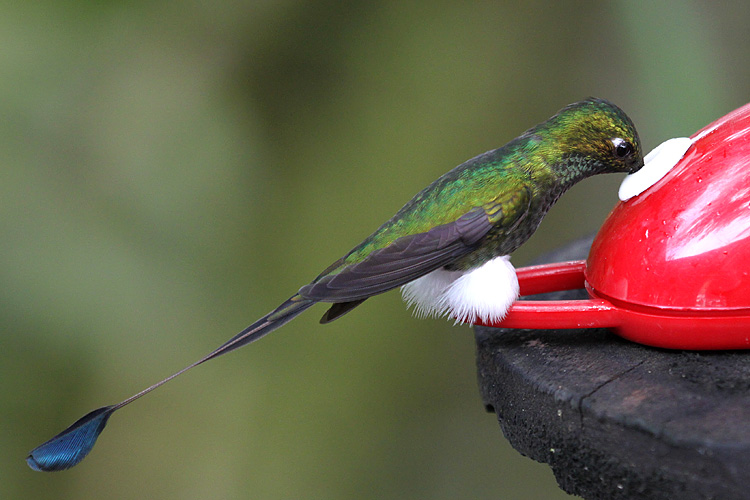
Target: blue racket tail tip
72 445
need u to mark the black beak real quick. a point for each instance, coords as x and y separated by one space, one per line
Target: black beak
636 167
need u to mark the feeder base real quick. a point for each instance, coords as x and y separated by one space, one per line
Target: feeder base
618 420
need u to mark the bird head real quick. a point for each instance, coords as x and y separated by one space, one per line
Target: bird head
599 132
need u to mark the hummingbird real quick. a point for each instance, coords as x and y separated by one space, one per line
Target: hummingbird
448 248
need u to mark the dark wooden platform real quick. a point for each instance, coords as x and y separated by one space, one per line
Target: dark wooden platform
617 420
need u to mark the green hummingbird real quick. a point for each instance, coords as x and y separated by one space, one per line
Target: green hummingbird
448 248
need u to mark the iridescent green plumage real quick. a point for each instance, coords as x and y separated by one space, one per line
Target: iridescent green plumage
484 208
547 159
514 186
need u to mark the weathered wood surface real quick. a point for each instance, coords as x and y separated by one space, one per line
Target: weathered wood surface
618 420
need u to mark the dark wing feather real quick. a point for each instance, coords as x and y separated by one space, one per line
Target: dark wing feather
406 259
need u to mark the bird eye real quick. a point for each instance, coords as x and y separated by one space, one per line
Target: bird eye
623 148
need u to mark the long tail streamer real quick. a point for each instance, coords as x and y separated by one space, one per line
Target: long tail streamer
72 445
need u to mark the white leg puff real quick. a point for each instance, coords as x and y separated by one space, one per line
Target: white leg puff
485 292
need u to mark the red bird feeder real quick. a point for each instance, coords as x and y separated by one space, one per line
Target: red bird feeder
669 267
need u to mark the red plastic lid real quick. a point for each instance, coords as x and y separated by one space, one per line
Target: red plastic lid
684 244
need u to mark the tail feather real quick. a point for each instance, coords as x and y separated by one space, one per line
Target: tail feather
338 309
68 448
277 318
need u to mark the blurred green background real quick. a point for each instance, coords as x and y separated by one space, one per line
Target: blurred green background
173 170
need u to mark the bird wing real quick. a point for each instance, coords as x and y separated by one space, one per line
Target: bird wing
412 256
